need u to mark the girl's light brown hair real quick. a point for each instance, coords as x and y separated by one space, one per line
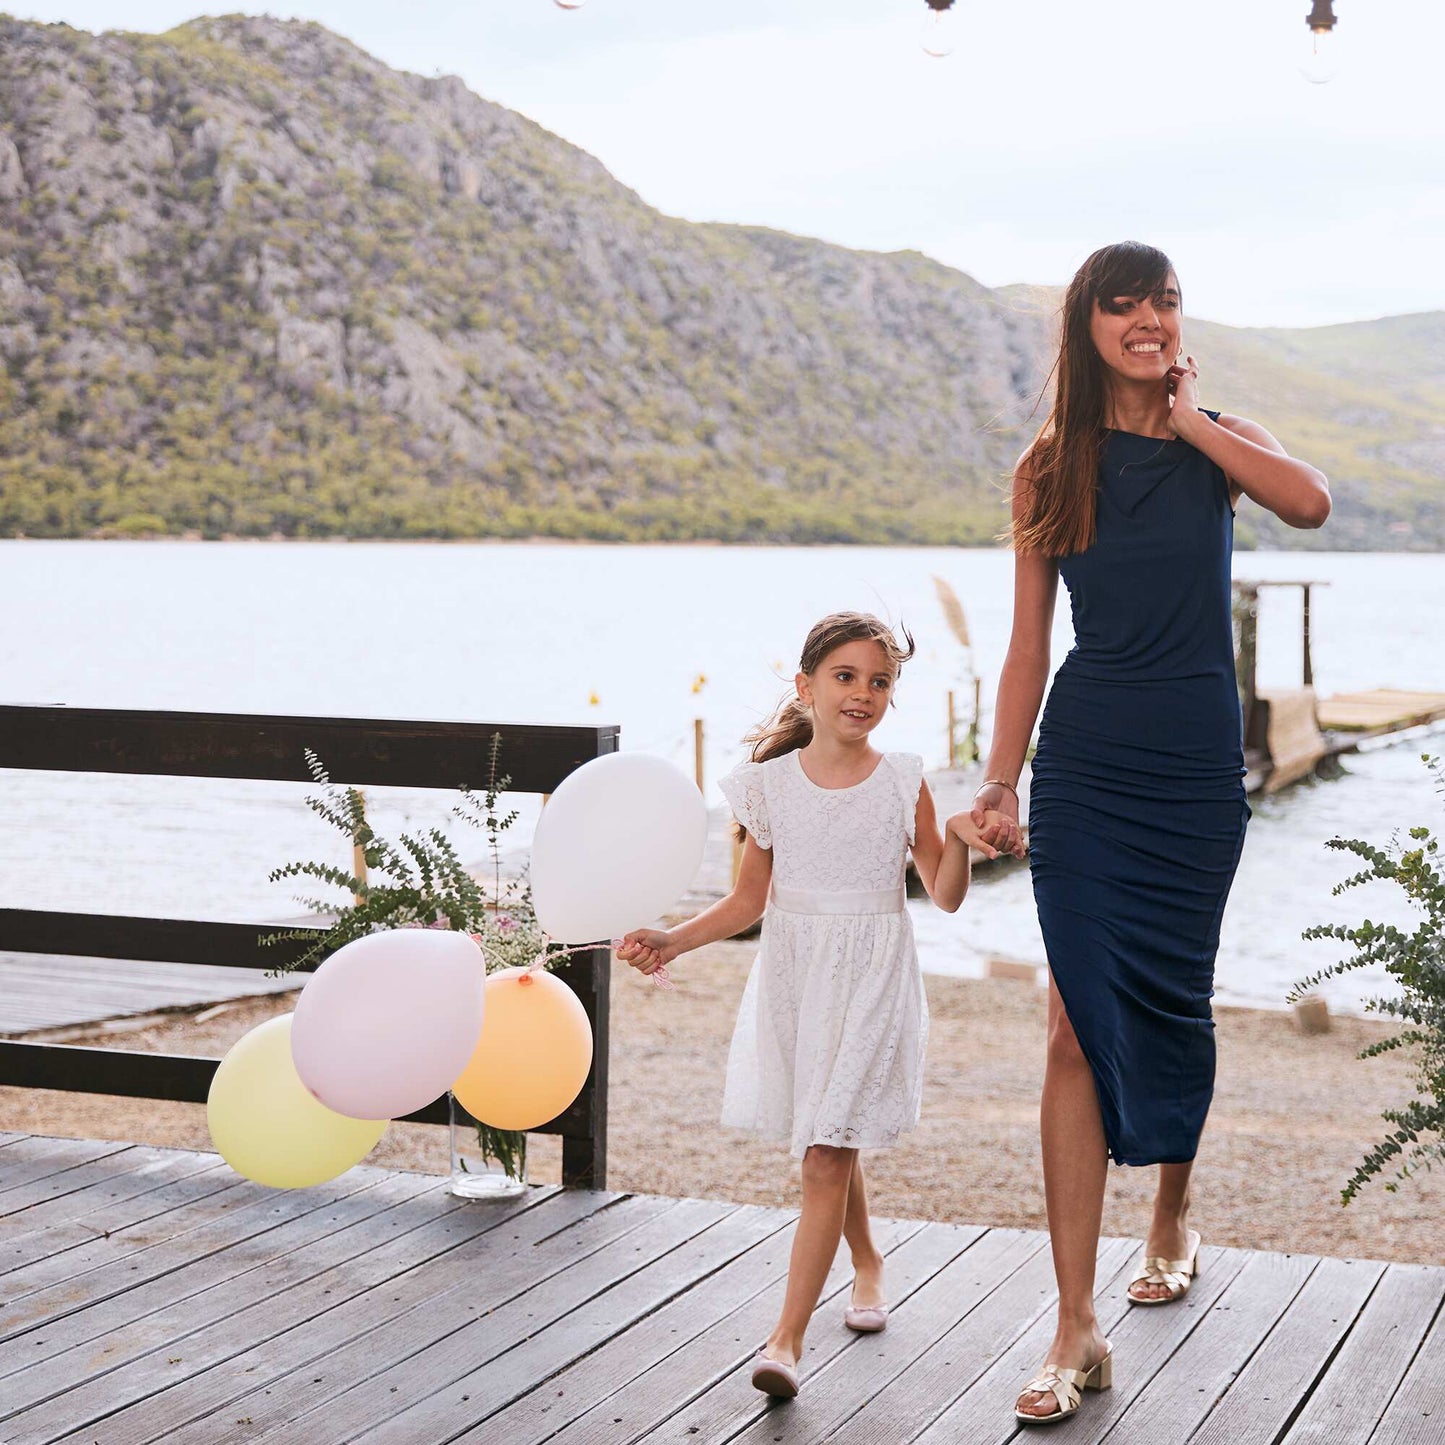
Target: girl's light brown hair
1060 470
791 725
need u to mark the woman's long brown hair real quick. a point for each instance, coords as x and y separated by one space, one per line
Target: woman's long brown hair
1060 470
791 725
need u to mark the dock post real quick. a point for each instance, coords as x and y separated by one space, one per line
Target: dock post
1309 667
697 751
952 725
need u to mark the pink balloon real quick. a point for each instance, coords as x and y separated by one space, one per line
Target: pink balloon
386 1024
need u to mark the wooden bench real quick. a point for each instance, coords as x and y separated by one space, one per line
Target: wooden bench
357 752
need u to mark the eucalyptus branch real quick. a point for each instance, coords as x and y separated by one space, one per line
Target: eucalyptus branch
1415 961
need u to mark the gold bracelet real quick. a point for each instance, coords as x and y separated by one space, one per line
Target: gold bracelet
1001 783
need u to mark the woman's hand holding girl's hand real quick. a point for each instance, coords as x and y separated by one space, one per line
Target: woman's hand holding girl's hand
964 827
995 818
647 949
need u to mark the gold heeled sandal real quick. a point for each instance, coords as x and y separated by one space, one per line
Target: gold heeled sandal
1176 1275
1067 1388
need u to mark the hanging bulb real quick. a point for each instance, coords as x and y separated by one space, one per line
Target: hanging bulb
570 4
1321 60
940 29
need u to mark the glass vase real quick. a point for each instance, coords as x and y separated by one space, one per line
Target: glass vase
485 1163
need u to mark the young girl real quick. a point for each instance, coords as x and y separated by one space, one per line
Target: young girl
827 1055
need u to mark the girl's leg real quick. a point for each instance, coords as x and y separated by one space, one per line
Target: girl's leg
1076 1165
1168 1234
867 1260
827 1173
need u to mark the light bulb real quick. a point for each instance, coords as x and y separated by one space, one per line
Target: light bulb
939 36
1321 58
570 4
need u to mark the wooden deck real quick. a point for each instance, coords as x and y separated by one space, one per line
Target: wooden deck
149 1295
40 991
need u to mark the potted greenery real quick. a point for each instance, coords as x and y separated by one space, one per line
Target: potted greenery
1416 961
420 882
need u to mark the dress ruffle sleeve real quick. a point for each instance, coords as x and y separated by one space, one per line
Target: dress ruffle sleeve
743 789
908 769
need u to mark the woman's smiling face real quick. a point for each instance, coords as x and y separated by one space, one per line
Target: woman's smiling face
1139 337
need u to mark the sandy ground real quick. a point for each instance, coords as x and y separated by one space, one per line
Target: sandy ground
1292 1115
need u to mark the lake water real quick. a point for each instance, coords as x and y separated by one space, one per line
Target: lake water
648 637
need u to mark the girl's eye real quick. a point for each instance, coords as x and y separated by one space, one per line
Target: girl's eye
882 684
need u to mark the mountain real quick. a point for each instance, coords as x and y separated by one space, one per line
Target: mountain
254 282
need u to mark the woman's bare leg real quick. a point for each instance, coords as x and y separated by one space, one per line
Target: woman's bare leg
827 1174
1076 1165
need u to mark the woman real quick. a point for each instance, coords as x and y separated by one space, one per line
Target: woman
1137 810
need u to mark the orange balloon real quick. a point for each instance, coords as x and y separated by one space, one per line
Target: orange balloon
533 1054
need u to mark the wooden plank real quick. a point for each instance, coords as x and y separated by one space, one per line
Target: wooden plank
33 1205
642 1407
40 931
187 1078
109 1204
41 1158
886 1390
1267 1392
219 1236
730 1404
1416 1416
985 1411
529 1338
1347 1403
296 1332
89 1382
1178 1399
538 1413
361 751
385 1327
662 1333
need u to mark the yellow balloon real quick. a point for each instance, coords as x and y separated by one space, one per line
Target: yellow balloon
533 1055
267 1125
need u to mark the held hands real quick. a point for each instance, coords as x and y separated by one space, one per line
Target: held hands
994 818
648 949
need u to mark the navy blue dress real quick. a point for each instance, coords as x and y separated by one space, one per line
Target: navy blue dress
1137 807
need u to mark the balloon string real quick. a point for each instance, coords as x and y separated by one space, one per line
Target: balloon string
551 949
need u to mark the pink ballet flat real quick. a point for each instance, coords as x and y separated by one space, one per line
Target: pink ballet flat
774 1378
869 1321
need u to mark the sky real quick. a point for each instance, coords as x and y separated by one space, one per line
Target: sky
1053 128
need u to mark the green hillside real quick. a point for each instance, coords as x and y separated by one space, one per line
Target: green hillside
254 282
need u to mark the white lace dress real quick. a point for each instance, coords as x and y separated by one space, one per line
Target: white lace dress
831 1034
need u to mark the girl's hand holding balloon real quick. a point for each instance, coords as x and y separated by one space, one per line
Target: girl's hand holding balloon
648 949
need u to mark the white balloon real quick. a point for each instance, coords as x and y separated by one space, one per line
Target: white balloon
387 1023
620 840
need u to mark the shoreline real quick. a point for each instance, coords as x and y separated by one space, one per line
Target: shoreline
717 543
1292 1116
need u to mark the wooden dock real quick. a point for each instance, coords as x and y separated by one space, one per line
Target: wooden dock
1379 711
151 1295
39 991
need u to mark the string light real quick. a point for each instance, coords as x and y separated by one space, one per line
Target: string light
940 29
1321 59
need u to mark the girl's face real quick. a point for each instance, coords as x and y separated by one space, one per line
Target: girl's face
849 689
1139 337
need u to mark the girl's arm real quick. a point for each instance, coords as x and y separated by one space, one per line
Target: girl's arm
1024 677
939 868
648 949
